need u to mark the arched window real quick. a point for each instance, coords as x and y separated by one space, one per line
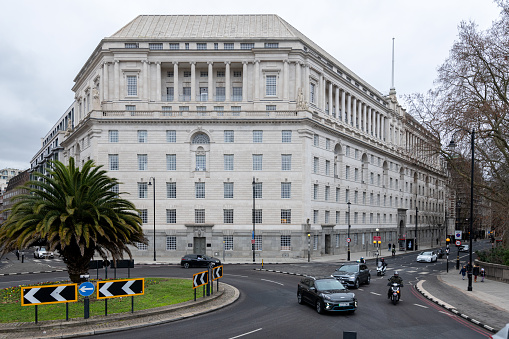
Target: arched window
201 138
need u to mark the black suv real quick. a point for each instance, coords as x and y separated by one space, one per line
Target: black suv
325 294
199 260
353 275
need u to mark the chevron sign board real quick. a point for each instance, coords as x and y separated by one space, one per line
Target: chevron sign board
49 294
217 272
200 279
120 288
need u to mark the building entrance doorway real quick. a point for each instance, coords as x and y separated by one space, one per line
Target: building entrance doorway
199 246
327 244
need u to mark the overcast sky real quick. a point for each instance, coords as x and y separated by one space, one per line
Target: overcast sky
43 45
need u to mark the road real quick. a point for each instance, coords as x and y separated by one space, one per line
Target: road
268 306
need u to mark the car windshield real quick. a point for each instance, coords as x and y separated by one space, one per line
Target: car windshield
426 253
328 285
348 268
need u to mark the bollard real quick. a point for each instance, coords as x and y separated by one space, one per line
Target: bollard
349 335
22 257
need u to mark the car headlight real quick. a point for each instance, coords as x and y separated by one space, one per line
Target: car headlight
352 277
325 296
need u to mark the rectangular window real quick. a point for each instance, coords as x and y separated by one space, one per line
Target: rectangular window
115 189
155 46
166 110
216 46
201 162
315 191
228 45
312 93
257 162
271 45
228 190
228 162
113 135
229 136
228 216
237 94
347 172
327 217
237 74
169 74
171 190
286 190
144 216
327 167
270 108
187 74
142 136
286 162
174 46
327 144
356 197
258 190
286 216
142 190
186 45
204 74
286 136
171 243
130 108
257 136
338 191
170 94
113 162
257 217
171 136
228 242
132 85
171 216
270 85
316 140
199 189
315 216
327 193
142 162
286 243
199 216
356 174
347 196
246 45
338 217
131 45
316 165
171 162
220 74
258 242
201 46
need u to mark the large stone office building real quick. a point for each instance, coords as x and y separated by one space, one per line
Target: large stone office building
217 114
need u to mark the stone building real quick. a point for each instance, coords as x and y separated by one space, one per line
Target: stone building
204 118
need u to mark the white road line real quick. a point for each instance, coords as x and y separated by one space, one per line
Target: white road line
236 275
423 273
246 333
375 293
421 306
275 282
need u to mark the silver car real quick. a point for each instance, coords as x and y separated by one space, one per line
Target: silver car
353 275
427 256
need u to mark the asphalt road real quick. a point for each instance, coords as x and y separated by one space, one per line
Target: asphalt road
268 306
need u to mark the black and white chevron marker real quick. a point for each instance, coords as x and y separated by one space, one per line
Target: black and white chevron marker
217 272
200 278
49 294
120 288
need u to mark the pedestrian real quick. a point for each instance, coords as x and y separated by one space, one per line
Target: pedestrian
463 272
17 254
389 247
393 251
393 247
476 272
483 274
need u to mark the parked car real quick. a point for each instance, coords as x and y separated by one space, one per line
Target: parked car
353 275
42 253
427 256
198 260
464 248
325 294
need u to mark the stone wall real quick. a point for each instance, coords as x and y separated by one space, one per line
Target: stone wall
495 271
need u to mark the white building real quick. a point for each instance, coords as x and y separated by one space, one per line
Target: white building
194 108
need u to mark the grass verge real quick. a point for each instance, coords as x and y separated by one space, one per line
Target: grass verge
158 292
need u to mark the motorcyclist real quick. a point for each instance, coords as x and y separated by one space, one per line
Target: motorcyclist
384 264
394 279
361 260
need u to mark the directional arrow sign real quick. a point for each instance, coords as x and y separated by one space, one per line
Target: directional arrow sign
86 289
217 272
49 294
200 279
120 288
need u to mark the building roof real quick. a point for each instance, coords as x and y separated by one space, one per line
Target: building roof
208 26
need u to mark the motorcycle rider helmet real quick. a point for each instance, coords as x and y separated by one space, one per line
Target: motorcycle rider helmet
382 259
396 273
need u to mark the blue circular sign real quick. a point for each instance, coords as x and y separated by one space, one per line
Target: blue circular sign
86 289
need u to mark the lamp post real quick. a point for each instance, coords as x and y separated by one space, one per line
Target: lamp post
349 226
154 197
416 221
309 247
254 220
452 144
377 245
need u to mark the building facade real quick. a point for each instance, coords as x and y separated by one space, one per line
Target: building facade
236 134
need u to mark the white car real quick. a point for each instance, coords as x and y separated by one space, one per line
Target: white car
427 256
42 253
464 248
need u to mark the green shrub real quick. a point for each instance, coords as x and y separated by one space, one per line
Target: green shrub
495 256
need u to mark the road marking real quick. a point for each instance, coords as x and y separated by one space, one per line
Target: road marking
423 273
236 275
375 293
275 282
241 335
421 306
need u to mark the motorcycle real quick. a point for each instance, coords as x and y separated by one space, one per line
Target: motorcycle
394 292
380 270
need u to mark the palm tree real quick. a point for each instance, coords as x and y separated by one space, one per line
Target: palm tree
75 212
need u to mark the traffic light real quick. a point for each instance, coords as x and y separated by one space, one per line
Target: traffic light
447 241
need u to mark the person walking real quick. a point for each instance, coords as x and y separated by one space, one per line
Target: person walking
389 247
463 272
483 274
476 272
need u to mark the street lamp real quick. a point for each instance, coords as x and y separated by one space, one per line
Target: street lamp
452 145
416 219
349 226
254 221
377 245
154 197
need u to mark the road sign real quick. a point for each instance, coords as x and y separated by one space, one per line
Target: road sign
458 242
49 294
457 234
348 239
200 278
377 238
217 272
86 289
120 288
252 241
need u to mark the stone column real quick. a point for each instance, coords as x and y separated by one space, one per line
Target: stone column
116 80
331 103
348 113
354 112
257 79
343 115
227 85
337 102
158 81
370 112
286 80
379 122
105 81
321 93
193 80
244 81
176 81
211 81
298 79
305 86
145 80
358 122
364 117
